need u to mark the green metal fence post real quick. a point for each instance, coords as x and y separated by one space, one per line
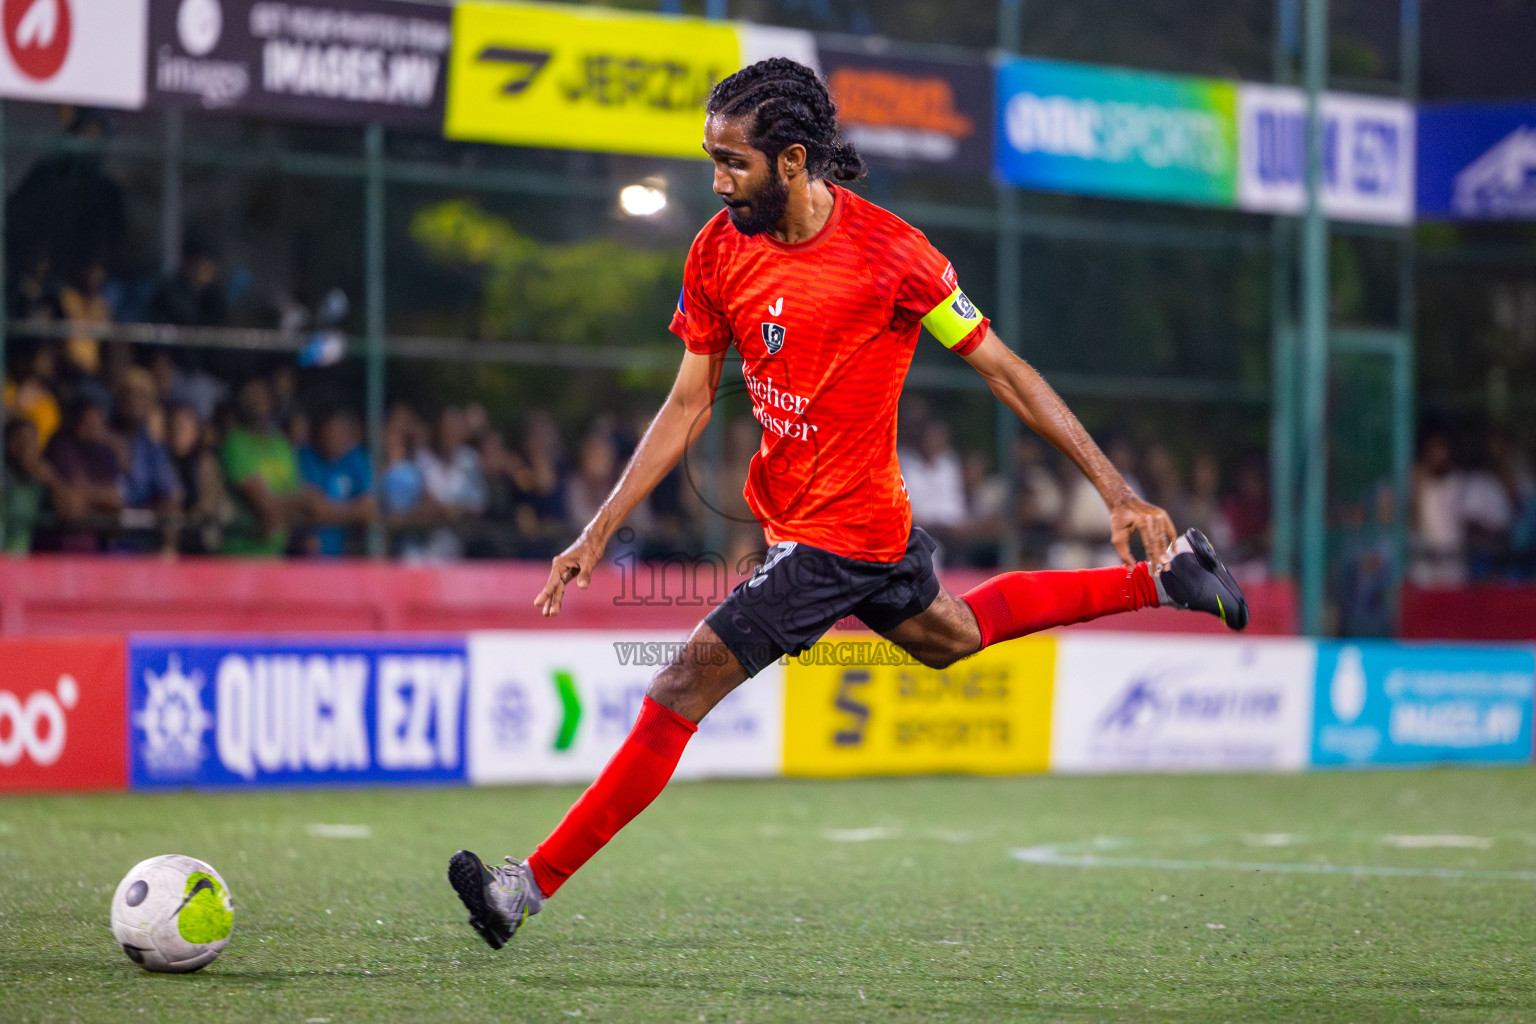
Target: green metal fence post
1314 334
1403 390
373 300
170 194
1008 314
1282 336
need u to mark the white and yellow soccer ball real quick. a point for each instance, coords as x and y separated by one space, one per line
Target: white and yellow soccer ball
172 914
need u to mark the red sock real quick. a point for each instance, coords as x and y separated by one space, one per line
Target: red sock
634 777
1016 603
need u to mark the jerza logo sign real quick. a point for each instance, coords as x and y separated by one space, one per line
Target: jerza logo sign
223 714
61 714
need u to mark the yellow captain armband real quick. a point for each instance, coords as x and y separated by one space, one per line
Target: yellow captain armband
952 320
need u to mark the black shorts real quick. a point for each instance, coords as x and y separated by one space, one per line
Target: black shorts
800 592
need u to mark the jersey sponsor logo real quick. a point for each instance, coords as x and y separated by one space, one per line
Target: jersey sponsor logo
776 306
963 307
773 337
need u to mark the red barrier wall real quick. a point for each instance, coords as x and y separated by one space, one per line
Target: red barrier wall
59 595
1488 612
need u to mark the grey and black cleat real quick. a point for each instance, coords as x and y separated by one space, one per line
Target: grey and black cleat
1195 579
499 899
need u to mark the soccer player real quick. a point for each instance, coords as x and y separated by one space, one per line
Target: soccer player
821 293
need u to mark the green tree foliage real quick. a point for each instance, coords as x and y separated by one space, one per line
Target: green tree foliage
595 292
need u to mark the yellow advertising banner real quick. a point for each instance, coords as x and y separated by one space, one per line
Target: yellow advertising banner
584 78
863 707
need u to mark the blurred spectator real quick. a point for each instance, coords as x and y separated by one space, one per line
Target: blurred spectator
84 305
986 499
194 295
206 508
1368 549
934 477
35 296
149 481
451 468
1040 499
66 209
1164 483
1246 512
337 466
1202 505
1439 532
202 391
260 466
29 485
82 458
597 470
1085 531
408 507
1489 502
31 392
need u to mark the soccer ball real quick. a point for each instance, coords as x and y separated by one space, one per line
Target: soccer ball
172 914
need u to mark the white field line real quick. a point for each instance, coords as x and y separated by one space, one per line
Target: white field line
1072 855
320 831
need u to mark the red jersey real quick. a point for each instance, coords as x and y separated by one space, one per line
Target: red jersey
826 329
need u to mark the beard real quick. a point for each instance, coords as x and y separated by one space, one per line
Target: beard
767 206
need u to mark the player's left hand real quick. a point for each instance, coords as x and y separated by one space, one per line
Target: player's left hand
1132 515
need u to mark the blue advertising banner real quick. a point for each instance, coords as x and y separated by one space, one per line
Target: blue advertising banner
1111 132
1384 703
227 711
1477 161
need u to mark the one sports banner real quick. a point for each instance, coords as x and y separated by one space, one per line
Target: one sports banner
1385 703
911 111
554 706
584 78
255 711
88 52
1367 154
62 715
1477 161
338 61
858 705
1128 703
1113 132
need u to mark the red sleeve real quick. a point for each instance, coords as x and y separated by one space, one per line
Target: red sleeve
697 319
929 289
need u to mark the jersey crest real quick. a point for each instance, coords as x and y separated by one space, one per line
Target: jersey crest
773 337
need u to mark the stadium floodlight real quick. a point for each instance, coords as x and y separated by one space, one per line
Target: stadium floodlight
644 199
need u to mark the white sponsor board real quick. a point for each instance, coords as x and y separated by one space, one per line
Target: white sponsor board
554 706
1368 154
89 52
1141 703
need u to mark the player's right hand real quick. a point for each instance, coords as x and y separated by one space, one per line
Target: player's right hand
574 563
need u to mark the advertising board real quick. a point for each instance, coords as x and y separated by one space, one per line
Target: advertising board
1113 132
253 711
341 61
62 714
584 78
911 111
89 52
553 707
1384 703
857 705
1477 161
1133 703
1368 154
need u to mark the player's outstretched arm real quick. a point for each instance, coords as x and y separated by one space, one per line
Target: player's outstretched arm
683 416
1023 390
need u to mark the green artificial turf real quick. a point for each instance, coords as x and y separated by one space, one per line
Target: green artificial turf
866 900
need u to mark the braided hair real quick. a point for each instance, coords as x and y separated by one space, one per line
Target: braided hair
789 103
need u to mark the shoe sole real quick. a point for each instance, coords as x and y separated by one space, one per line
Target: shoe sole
466 873
1237 619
